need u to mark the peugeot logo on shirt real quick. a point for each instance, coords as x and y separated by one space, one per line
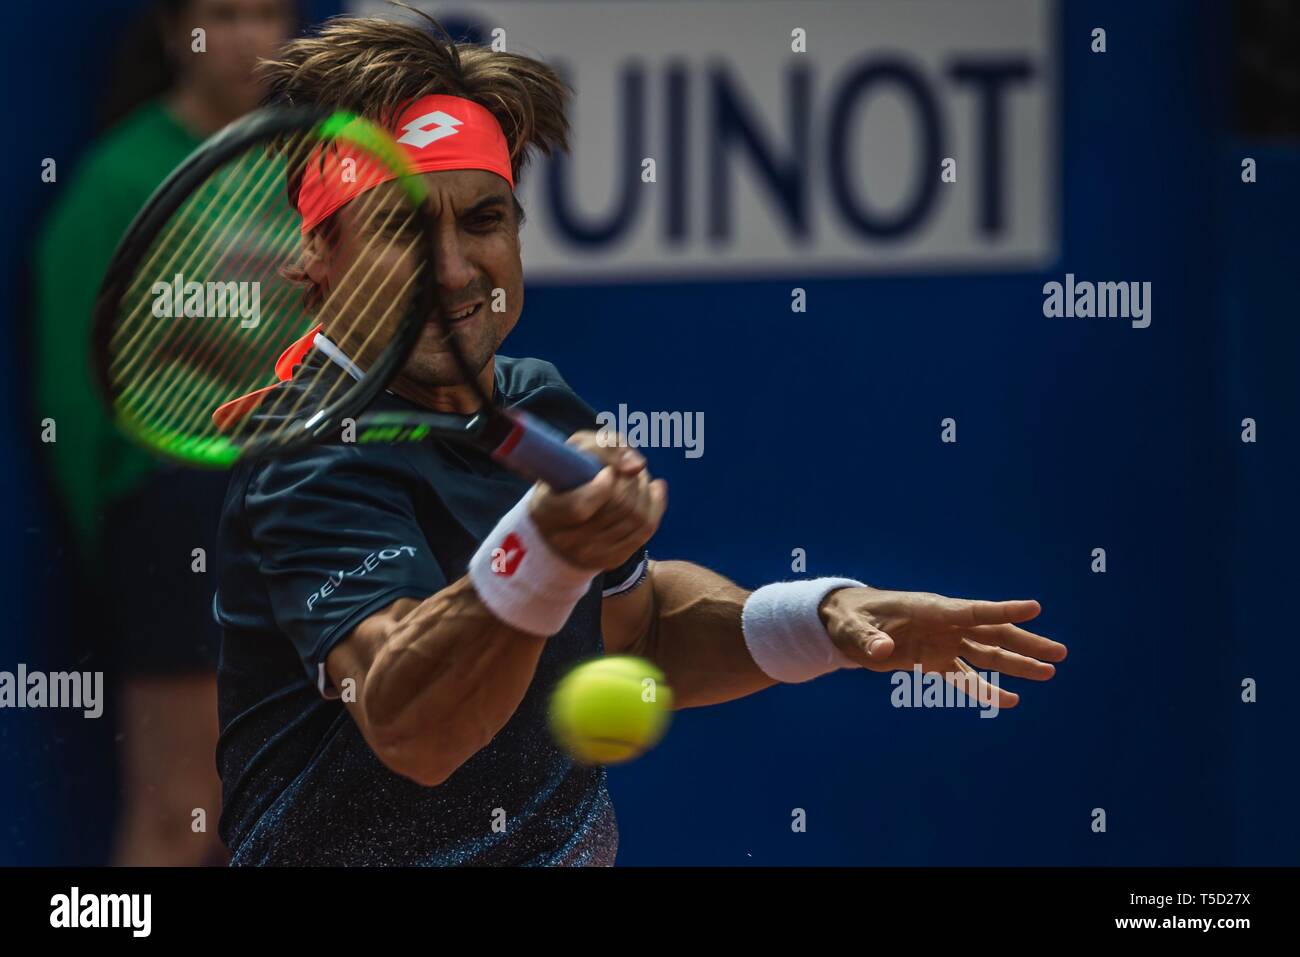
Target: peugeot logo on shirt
368 564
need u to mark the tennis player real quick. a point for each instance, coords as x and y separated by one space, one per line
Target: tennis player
395 616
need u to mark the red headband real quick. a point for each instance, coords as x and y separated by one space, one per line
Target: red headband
436 133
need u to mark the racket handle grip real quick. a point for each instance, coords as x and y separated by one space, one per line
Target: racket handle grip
534 448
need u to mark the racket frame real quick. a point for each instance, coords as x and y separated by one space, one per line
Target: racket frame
260 127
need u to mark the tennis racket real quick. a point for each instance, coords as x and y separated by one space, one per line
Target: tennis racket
213 342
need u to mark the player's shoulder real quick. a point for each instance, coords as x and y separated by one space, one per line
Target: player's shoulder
325 477
519 375
537 385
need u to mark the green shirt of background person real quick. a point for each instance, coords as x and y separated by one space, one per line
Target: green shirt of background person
187 72
92 462
202 79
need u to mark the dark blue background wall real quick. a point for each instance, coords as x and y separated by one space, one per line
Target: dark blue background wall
1073 435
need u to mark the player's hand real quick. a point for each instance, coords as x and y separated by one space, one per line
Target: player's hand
599 524
896 630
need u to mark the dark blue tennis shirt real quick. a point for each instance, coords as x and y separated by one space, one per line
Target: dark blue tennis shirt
312 544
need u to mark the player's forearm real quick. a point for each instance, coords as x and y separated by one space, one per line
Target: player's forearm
447 678
696 636
451 671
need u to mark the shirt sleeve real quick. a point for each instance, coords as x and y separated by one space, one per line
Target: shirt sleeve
338 539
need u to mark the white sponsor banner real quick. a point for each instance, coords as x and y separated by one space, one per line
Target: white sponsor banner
771 162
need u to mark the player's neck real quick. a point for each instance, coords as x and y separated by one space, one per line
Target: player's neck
457 399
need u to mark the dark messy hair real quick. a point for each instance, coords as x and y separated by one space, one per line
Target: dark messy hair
372 66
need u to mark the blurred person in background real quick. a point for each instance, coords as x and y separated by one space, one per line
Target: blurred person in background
137 522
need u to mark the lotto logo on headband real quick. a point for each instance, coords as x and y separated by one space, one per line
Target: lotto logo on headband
418 133
437 133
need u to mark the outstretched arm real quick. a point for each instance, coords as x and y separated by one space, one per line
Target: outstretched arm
688 620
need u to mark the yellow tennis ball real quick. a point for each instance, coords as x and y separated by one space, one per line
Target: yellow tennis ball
610 710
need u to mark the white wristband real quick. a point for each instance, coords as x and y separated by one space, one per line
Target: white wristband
521 580
785 634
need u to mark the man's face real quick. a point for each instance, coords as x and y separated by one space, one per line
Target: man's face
475 252
238 33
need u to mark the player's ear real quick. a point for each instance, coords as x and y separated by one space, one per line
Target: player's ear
317 257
